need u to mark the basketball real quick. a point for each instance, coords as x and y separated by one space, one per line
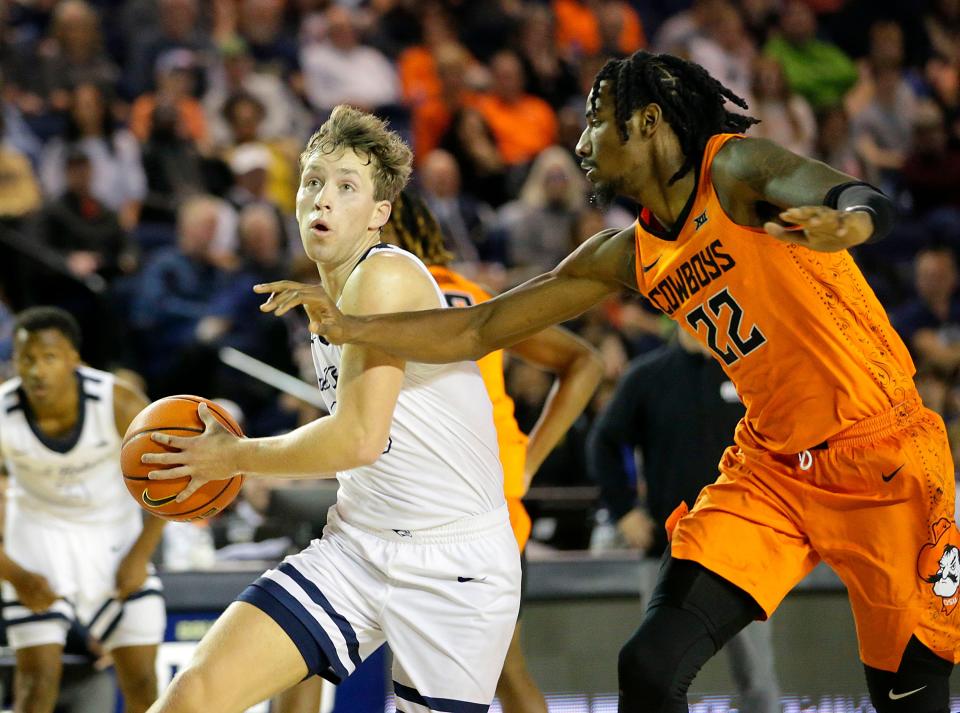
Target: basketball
177 416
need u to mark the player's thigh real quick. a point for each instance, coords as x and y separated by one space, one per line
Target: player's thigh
38 668
890 535
305 697
450 622
136 670
742 528
245 658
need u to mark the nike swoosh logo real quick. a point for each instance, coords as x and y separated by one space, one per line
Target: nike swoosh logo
648 268
888 478
464 579
151 503
898 696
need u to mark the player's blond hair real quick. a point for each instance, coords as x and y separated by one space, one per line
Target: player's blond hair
371 138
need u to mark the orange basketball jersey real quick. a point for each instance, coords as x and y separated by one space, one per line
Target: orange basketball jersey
800 333
461 292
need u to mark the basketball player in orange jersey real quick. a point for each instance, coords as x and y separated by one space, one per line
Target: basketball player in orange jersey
745 244
76 547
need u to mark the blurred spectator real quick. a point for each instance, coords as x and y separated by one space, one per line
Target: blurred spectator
19 189
175 87
79 226
886 49
283 114
817 70
114 154
487 26
434 114
16 131
522 124
341 70
173 166
834 144
931 171
942 22
930 323
174 293
541 223
882 131
244 114
943 78
417 65
550 76
759 18
682 28
179 28
72 54
261 24
785 117
470 140
588 27
726 51
465 221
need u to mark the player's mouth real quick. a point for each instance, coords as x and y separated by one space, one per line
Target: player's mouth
320 227
37 390
588 167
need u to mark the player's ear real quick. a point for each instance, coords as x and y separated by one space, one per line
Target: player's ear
645 121
381 214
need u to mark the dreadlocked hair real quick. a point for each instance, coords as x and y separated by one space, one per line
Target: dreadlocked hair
413 228
691 100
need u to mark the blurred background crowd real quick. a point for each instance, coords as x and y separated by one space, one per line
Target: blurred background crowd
148 166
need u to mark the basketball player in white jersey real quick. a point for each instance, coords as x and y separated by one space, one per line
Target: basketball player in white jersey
76 547
418 550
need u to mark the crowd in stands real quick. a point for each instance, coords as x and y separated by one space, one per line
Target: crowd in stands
148 163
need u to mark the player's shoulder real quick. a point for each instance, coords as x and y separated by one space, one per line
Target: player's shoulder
9 395
746 159
608 255
389 280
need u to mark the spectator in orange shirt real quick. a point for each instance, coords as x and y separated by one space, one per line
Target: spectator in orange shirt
433 116
418 65
174 87
584 27
522 124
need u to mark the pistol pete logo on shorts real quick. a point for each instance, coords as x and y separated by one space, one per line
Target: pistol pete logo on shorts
939 562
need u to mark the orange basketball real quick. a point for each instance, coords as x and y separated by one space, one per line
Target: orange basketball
176 415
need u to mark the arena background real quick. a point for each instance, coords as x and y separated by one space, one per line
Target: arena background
147 175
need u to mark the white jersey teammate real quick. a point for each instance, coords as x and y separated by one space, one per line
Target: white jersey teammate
418 550
75 547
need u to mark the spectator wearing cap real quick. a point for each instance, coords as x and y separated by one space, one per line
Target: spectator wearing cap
175 85
244 115
341 70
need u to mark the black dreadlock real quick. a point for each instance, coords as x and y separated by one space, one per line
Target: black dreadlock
691 100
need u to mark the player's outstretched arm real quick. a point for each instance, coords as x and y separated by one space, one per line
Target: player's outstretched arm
579 370
601 266
821 208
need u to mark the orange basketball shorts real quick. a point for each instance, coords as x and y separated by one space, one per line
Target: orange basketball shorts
876 503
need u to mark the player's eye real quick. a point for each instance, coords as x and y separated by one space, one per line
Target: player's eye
313 182
347 187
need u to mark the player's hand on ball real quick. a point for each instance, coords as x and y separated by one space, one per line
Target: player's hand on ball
33 591
131 574
201 458
325 319
821 228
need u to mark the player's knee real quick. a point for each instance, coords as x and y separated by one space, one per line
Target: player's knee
920 685
644 678
188 693
139 691
36 689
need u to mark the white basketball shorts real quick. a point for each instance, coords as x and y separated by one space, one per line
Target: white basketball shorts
445 599
80 563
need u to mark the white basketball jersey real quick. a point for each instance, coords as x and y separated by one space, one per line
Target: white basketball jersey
75 478
441 462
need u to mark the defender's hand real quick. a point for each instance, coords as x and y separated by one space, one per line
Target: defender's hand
325 319
209 456
33 591
821 228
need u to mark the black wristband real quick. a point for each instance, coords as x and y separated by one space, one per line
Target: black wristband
857 195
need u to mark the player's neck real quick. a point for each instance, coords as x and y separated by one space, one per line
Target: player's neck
652 188
334 275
